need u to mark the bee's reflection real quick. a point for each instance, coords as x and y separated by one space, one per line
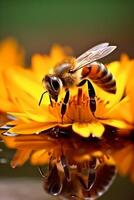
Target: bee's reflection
87 181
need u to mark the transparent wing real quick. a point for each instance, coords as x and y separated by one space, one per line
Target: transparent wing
96 55
97 47
93 54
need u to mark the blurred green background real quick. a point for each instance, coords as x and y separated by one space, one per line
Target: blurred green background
37 24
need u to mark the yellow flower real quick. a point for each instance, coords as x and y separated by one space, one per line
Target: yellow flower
112 110
43 135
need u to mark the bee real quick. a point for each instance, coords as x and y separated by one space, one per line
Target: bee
89 183
76 72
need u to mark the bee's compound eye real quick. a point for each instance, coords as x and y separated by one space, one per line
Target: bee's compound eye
55 84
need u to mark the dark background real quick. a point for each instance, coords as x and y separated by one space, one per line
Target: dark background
38 24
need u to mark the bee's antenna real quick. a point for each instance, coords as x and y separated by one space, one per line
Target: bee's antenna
42 97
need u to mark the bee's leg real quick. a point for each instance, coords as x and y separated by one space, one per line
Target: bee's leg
64 104
92 172
65 167
42 97
91 93
90 182
53 184
91 175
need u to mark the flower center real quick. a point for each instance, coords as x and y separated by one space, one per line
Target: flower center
78 109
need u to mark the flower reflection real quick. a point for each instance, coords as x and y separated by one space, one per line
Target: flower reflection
75 165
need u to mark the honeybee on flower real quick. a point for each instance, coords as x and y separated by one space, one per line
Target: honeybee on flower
65 75
69 145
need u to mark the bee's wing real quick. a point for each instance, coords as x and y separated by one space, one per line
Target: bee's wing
93 54
85 54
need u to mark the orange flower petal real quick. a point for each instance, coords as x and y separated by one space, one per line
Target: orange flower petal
20 157
117 123
10 53
40 157
32 127
33 141
123 159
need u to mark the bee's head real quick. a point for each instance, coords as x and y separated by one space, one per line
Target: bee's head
53 84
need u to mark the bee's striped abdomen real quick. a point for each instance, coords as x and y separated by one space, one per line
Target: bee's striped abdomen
100 75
